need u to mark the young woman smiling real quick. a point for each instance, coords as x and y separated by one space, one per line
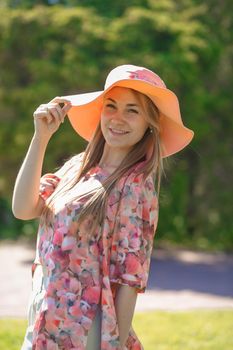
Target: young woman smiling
99 212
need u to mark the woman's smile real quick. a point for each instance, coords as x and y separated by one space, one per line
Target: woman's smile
117 132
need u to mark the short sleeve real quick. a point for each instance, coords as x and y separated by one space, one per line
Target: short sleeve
133 235
49 181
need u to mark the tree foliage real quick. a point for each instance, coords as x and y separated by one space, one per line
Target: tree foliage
62 48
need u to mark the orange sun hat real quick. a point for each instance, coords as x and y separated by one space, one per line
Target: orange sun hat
85 112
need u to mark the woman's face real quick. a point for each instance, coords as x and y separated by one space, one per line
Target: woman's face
122 119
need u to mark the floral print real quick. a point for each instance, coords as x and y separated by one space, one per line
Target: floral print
148 76
79 273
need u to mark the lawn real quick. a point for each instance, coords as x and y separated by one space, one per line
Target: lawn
157 330
193 330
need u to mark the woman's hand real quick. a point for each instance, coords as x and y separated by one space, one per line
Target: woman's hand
48 117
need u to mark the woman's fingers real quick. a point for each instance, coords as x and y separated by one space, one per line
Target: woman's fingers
49 116
66 109
42 112
52 112
59 100
56 112
61 107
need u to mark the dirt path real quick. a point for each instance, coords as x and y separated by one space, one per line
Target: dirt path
179 280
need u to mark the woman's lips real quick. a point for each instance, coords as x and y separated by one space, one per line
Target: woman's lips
118 131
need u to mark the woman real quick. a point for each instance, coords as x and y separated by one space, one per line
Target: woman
99 211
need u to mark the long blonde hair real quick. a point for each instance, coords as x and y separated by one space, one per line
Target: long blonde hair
96 201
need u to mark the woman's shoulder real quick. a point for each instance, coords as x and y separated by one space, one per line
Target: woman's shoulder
77 158
74 162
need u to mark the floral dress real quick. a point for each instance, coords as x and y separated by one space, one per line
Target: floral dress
80 274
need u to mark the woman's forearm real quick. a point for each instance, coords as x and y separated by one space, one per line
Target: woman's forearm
125 302
26 190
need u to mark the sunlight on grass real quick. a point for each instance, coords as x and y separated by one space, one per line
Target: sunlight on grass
157 330
194 330
12 333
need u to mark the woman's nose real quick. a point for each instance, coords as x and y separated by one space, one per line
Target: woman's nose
118 115
117 121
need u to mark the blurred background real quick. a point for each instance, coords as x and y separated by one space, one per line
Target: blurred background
52 48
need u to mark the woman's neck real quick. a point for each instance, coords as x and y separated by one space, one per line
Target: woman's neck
112 158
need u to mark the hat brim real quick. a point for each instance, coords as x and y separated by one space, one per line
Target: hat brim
85 112
84 115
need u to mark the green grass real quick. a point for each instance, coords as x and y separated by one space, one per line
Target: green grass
193 330
11 333
157 330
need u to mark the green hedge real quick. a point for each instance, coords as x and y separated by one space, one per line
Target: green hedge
57 50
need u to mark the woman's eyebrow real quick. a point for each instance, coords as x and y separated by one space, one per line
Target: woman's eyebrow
128 104
132 105
110 99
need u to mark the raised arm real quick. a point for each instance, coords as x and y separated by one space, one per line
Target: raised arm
26 202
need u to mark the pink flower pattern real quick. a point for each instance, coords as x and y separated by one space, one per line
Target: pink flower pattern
81 273
148 76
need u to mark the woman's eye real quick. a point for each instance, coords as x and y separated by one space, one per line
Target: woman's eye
131 110
110 105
